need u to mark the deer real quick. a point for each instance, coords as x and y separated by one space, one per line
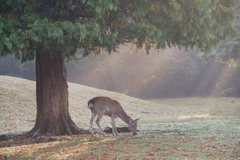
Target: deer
100 106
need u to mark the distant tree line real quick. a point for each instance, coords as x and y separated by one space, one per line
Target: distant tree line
12 67
168 74
172 73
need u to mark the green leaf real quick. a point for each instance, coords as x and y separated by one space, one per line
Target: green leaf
8 44
184 32
9 2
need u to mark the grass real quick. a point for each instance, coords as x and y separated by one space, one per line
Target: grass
183 128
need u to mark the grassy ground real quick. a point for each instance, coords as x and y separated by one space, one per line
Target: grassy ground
184 128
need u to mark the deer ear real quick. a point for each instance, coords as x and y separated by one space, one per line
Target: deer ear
137 119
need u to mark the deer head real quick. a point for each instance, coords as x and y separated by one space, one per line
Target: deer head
132 125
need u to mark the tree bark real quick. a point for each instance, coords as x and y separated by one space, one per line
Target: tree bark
52 97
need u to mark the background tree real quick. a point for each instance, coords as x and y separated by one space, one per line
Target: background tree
51 31
228 50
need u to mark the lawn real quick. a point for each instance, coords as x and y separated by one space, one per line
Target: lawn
184 128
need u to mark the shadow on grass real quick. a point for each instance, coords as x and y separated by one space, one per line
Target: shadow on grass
210 139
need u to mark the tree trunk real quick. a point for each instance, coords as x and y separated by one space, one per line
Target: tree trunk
52 97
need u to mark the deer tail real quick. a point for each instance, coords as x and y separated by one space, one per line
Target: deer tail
90 105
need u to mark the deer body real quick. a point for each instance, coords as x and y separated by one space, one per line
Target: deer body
106 106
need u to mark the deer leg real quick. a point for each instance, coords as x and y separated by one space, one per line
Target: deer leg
114 130
91 123
98 123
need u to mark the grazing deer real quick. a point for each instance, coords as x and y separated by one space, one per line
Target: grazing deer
106 106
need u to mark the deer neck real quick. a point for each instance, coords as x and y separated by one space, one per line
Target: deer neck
124 117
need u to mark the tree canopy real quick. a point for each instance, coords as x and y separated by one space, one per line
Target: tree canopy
229 49
87 26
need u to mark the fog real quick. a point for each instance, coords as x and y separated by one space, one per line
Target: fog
164 74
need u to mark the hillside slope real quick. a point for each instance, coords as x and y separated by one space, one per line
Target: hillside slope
18 107
18 104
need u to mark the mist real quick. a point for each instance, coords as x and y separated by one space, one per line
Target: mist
165 74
